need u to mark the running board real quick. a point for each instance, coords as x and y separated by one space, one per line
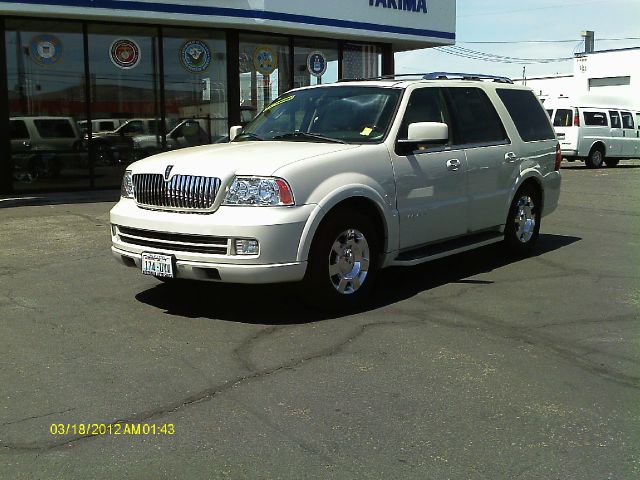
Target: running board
444 249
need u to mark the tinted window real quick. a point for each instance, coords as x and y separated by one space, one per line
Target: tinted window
550 113
54 128
135 126
615 119
527 114
476 119
595 119
627 120
106 126
18 130
425 105
563 118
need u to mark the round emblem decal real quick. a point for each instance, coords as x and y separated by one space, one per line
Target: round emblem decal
316 63
195 56
45 49
265 59
124 53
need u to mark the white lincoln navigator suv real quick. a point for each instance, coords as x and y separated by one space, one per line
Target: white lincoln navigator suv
329 184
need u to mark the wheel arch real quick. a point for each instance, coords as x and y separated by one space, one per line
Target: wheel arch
600 145
530 178
361 198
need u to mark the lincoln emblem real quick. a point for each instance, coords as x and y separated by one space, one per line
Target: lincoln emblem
167 172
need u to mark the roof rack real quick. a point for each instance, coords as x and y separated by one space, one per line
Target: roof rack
384 77
434 76
465 76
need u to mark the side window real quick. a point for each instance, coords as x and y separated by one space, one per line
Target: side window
564 118
105 126
18 130
54 128
638 120
627 120
550 113
425 105
595 119
615 119
527 114
476 120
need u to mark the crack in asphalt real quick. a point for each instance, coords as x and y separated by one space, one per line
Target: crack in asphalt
573 353
199 397
36 416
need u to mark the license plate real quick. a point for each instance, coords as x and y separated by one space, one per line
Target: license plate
157 265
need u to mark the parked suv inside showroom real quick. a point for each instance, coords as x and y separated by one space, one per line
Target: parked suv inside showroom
331 183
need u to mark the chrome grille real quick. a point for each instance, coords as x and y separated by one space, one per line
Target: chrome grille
182 192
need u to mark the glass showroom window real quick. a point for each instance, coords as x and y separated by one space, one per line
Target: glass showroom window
264 72
195 67
45 74
315 62
361 61
123 61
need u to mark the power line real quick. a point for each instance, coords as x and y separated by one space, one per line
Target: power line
499 42
490 57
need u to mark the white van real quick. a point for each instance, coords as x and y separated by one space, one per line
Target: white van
594 132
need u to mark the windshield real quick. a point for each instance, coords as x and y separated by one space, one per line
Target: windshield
336 114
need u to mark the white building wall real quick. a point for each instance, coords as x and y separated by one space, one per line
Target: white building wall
613 74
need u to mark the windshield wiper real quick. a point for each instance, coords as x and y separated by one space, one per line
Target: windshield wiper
249 136
305 135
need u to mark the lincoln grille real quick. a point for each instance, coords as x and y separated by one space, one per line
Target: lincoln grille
182 192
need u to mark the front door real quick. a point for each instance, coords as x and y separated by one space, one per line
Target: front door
431 180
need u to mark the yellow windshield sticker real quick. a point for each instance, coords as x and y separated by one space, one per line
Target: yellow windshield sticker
366 131
280 102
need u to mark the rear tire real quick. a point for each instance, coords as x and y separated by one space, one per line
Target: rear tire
523 222
343 261
595 158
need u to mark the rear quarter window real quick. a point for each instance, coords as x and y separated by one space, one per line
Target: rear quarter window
595 119
527 114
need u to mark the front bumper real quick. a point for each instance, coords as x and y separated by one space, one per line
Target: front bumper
277 229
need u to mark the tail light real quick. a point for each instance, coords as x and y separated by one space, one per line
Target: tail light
558 157
576 118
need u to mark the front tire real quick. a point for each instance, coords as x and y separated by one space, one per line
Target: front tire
343 261
523 222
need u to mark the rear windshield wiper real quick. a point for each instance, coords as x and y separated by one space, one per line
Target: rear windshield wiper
305 135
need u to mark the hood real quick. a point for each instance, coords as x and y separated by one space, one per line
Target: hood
224 161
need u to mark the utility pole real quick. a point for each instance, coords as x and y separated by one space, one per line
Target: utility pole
524 75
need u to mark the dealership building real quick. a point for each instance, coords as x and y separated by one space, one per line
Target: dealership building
87 87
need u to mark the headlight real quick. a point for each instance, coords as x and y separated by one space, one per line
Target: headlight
259 191
127 185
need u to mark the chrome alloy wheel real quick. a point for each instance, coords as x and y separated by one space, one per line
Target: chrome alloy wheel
349 261
525 219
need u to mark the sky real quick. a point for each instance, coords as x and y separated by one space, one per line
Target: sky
544 29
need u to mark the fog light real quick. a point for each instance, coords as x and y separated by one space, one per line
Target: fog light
246 246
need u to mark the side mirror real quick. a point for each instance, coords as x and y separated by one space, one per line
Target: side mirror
234 132
427 132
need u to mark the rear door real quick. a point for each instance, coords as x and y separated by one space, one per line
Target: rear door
565 129
616 142
492 161
629 135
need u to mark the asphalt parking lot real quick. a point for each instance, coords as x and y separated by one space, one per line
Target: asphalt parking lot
471 367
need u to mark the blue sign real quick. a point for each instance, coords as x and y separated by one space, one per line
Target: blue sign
406 5
195 56
316 63
45 49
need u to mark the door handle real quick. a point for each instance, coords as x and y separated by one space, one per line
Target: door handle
510 157
453 164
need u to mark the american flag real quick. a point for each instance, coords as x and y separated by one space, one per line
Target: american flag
361 61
